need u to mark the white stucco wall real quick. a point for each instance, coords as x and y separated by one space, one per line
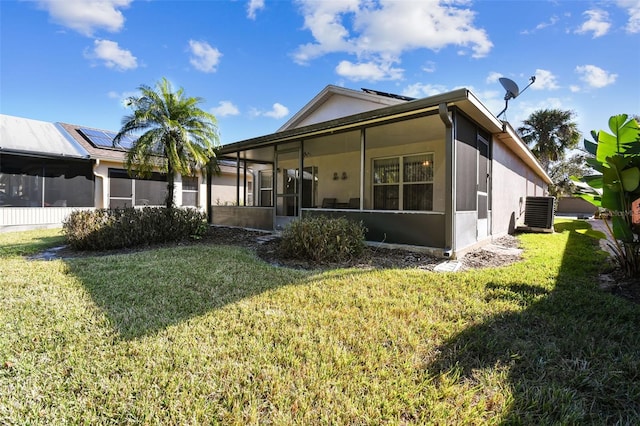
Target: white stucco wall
339 106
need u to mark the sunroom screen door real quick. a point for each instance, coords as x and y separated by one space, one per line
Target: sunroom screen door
287 186
483 189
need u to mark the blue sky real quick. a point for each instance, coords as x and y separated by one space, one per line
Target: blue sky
257 62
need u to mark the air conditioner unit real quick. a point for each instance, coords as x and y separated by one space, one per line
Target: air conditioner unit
539 213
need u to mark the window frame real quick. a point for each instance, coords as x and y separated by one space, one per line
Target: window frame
195 191
400 183
265 189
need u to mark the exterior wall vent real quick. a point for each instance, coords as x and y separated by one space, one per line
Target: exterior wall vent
539 213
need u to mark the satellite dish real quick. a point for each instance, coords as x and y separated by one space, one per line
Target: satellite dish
511 87
512 90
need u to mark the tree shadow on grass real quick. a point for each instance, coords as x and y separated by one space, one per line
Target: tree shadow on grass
572 354
145 292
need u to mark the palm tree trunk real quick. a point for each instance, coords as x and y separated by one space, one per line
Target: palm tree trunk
170 186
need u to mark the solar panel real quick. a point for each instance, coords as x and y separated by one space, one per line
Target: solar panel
104 139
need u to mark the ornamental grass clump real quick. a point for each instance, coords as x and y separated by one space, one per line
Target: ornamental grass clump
104 229
323 239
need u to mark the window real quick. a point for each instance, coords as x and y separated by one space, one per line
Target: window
266 188
151 191
189 191
403 183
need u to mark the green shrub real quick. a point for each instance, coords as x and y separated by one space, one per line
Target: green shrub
104 229
323 239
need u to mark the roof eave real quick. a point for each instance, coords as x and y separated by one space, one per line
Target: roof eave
41 154
515 143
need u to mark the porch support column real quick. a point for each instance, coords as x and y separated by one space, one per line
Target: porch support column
300 176
450 182
238 178
363 147
208 195
244 183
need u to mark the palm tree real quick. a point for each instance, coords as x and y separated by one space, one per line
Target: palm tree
178 136
549 133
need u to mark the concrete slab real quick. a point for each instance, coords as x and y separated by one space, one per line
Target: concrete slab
502 250
448 266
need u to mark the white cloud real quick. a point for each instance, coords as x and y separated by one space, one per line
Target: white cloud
379 32
493 77
595 77
204 57
253 6
277 111
420 90
574 88
224 109
545 80
112 55
429 66
86 16
633 9
598 23
552 21
370 71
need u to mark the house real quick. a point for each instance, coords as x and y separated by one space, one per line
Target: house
43 174
441 173
47 170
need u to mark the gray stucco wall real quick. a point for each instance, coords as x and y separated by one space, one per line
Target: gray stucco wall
512 182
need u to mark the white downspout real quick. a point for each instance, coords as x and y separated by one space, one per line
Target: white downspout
450 183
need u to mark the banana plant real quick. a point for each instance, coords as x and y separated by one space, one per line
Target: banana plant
616 159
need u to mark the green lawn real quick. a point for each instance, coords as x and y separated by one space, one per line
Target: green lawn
208 334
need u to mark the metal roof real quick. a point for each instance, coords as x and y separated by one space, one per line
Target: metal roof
33 137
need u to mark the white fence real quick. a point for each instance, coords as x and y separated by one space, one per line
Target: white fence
25 218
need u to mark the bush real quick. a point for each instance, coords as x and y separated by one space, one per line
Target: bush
323 239
105 229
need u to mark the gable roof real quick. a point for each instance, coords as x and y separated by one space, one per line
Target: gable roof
463 99
335 102
40 138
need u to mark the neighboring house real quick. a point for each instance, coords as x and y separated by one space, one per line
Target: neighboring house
48 170
116 189
43 174
441 173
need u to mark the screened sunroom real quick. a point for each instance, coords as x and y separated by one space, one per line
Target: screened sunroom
390 176
419 174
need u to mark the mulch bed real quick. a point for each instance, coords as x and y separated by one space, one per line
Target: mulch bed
265 245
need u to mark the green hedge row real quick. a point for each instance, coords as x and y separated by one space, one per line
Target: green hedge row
104 229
